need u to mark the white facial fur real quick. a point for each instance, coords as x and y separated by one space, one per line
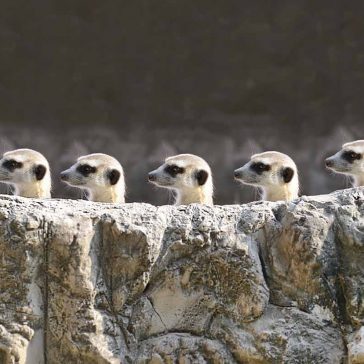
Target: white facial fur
100 174
350 161
275 173
188 175
28 171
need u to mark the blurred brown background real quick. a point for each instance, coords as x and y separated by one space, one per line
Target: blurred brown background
142 80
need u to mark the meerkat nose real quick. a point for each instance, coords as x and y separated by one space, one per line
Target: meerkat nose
64 176
236 174
329 162
151 177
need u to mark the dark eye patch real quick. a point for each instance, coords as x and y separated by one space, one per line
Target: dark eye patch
86 169
173 170
259 167
350 156
12 164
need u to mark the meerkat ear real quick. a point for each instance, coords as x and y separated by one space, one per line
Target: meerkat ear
287 174
113 176
39 171
201 177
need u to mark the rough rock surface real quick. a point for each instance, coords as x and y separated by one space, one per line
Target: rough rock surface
83 282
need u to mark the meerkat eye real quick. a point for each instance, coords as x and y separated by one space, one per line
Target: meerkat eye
259 167
86 169
173 170
350 156
12 164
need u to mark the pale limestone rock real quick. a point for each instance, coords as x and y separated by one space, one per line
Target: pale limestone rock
356 347
85 282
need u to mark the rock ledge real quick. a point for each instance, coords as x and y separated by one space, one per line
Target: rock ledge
84 282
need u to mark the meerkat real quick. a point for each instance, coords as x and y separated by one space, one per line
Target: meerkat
100 175
27 171
350 161
188 175
275 173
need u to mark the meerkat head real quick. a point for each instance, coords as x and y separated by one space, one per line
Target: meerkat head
28 171
349 160
188 175
275 173
100 174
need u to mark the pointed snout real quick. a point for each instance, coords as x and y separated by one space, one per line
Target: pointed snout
64 176
237 174
329 162
152 177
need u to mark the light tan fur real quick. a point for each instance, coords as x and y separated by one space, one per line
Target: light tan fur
186 186
23 179
271 182
338 164
97 184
